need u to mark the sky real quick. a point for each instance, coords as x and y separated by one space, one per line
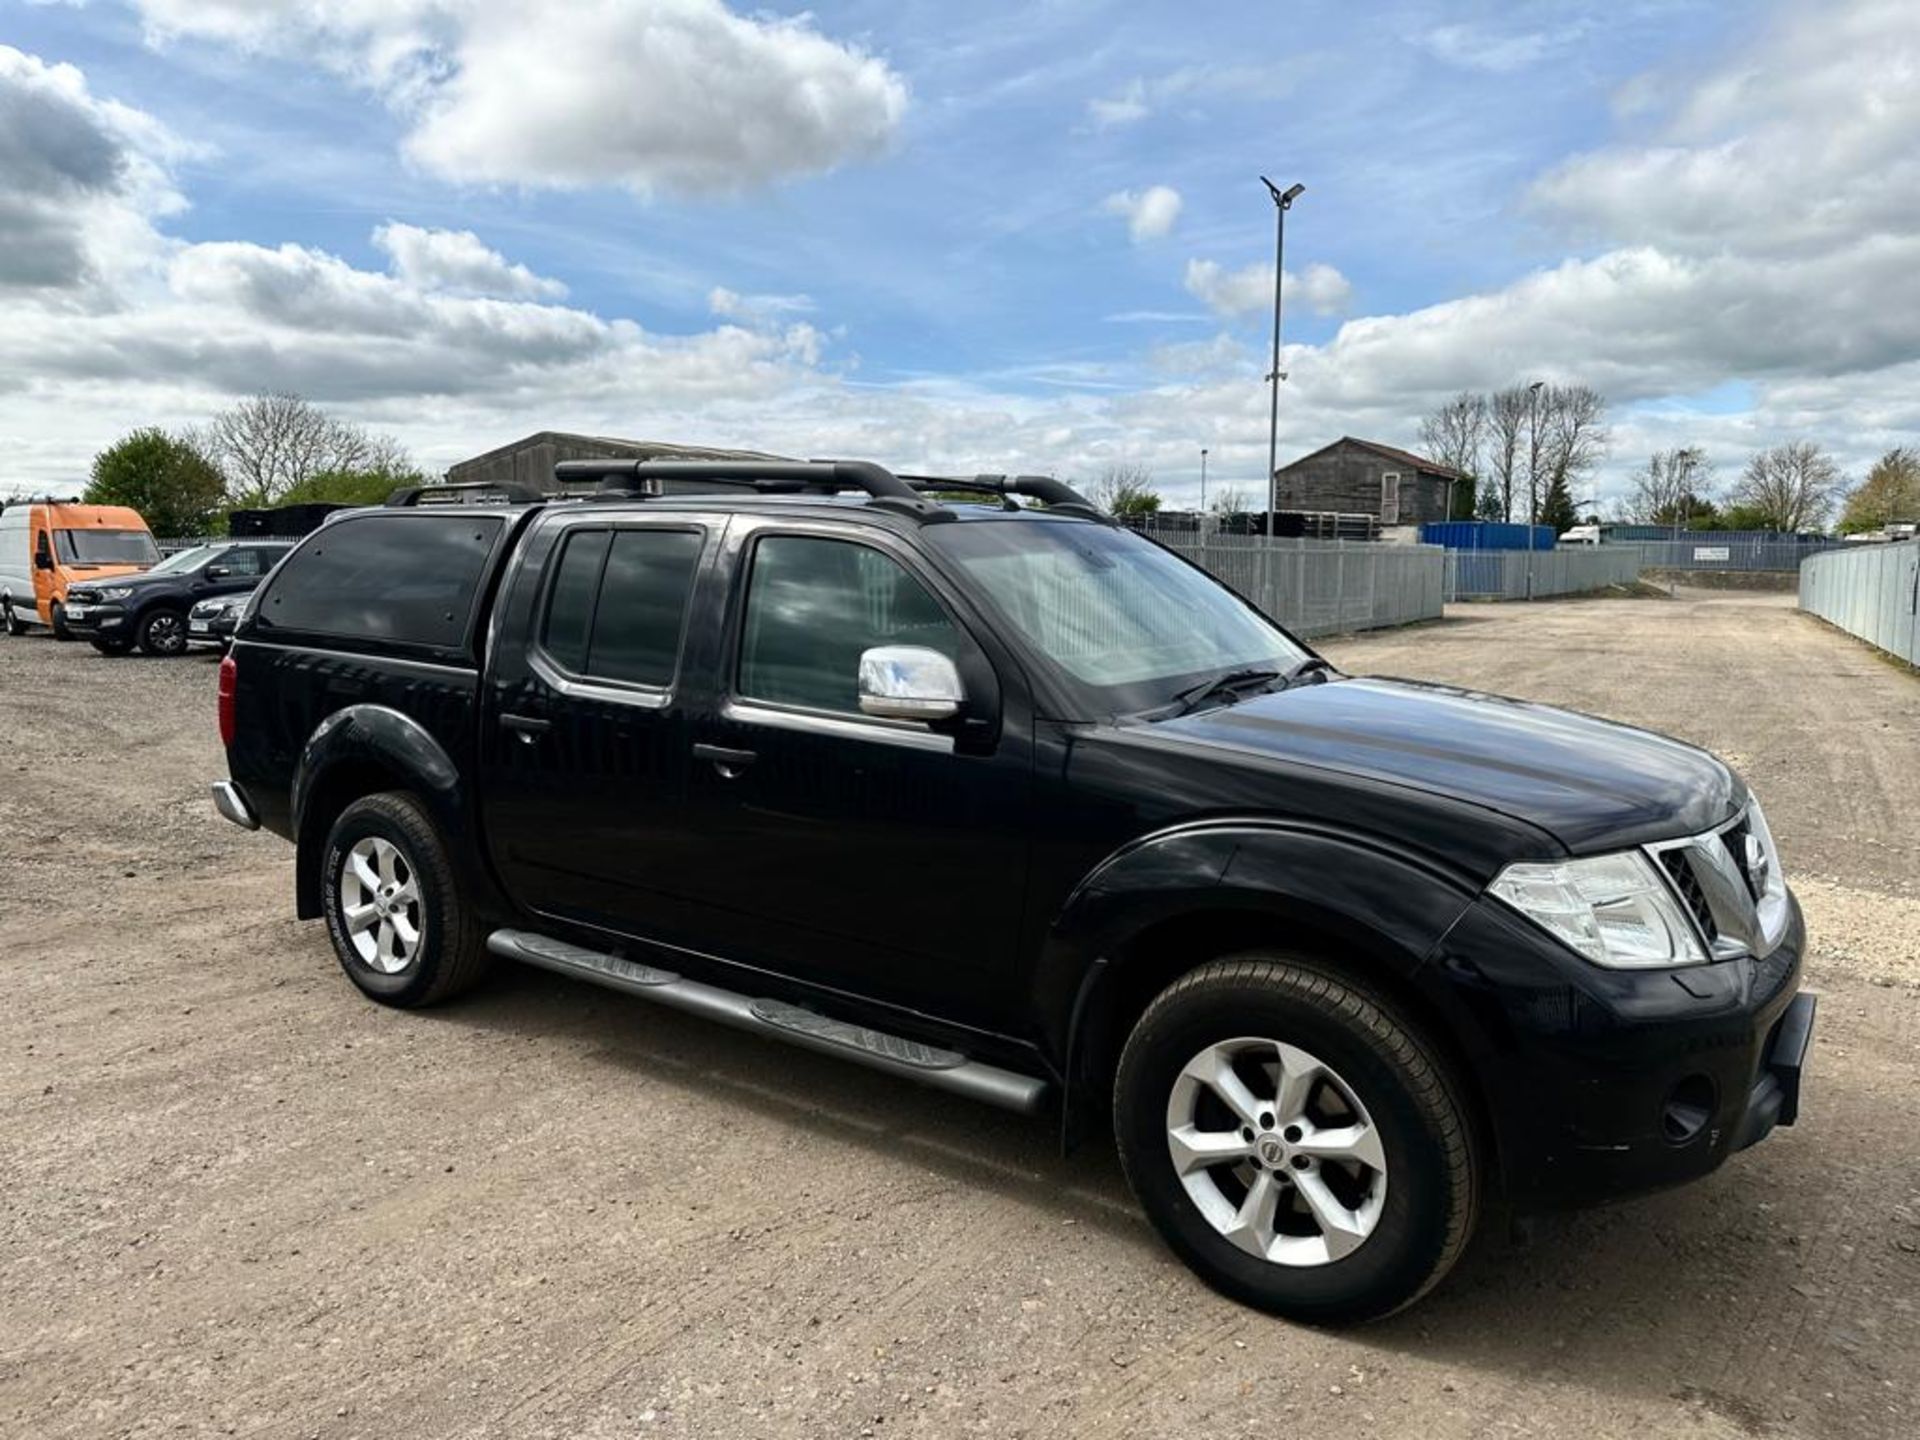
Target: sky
994 236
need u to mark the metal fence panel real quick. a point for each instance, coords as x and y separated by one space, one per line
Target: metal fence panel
1708 550
1872 591
1533 574
1320 587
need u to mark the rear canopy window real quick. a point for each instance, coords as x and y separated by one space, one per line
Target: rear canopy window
402 578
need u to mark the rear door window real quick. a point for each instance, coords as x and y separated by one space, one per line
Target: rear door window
404 578
617 606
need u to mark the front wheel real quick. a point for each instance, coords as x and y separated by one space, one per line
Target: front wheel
1295 1140
400 926
57 615
164 632
112 645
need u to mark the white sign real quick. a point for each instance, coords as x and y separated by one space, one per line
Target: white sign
1713 552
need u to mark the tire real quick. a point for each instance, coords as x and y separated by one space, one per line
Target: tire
58 613
115 645
448 952
1379 1092
163 631
12 623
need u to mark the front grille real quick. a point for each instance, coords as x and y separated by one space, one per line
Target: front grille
1680 870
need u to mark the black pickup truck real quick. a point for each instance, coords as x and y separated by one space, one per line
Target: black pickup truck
1004 798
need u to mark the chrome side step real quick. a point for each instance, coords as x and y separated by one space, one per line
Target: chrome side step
909 1059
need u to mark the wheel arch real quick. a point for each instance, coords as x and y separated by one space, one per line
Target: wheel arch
362 750
1370 912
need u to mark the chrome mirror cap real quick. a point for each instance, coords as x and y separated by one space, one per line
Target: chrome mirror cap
909 682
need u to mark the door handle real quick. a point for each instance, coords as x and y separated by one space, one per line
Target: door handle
728 762
528 727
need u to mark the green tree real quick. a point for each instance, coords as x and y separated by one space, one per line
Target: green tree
1890 492
1557 508
177 489
350 487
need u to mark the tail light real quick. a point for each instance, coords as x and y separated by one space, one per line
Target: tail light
229 674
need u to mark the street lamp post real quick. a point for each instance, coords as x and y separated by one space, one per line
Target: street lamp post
1282 202
1533 474
1203 480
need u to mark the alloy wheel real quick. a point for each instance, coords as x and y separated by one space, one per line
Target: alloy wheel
1276 1151
167 634
380 905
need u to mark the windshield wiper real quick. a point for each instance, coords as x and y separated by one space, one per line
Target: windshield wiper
1312 665
1226 685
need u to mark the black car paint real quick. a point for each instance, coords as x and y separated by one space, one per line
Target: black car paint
1359 814
176 590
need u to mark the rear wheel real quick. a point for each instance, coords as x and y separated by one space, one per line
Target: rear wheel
1295 1141
164 632
13 624
399 924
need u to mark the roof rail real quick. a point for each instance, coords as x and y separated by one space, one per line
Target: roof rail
1054 494
825 477
510 492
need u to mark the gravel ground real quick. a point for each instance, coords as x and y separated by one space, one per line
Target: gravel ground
237 1199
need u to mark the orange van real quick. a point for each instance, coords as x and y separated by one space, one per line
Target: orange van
47 545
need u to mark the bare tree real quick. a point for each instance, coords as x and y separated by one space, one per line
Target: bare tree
1456 433
1229 500
1508 414
1791 487
268 444
1675 484
1573 436
1126 489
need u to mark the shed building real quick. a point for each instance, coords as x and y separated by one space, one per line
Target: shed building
530 461
1364 477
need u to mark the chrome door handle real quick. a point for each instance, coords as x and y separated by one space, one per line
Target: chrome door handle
528 727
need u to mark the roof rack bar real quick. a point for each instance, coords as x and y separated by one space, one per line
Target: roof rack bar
511 491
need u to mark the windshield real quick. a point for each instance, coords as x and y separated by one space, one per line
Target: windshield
184 560
1126 623
106 547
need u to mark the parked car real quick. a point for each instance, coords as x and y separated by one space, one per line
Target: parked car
1016 803
49 546
151 610
213 621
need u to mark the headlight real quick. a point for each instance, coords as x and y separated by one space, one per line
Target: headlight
116 592
1613 909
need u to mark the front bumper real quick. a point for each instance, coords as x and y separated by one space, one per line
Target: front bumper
107 618
1601 1083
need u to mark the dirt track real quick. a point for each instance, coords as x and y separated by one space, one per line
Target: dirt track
236 1198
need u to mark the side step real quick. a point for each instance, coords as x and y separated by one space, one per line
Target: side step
909 1059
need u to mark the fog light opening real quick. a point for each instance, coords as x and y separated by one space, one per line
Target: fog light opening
1688 1109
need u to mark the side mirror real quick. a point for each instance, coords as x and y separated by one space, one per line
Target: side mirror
909 682
216 572
42 561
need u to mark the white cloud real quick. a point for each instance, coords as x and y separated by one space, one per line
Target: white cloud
1125 108
676 95
80 178
1195 84
1249 290
756 309
457 261
1498 50
1149 213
